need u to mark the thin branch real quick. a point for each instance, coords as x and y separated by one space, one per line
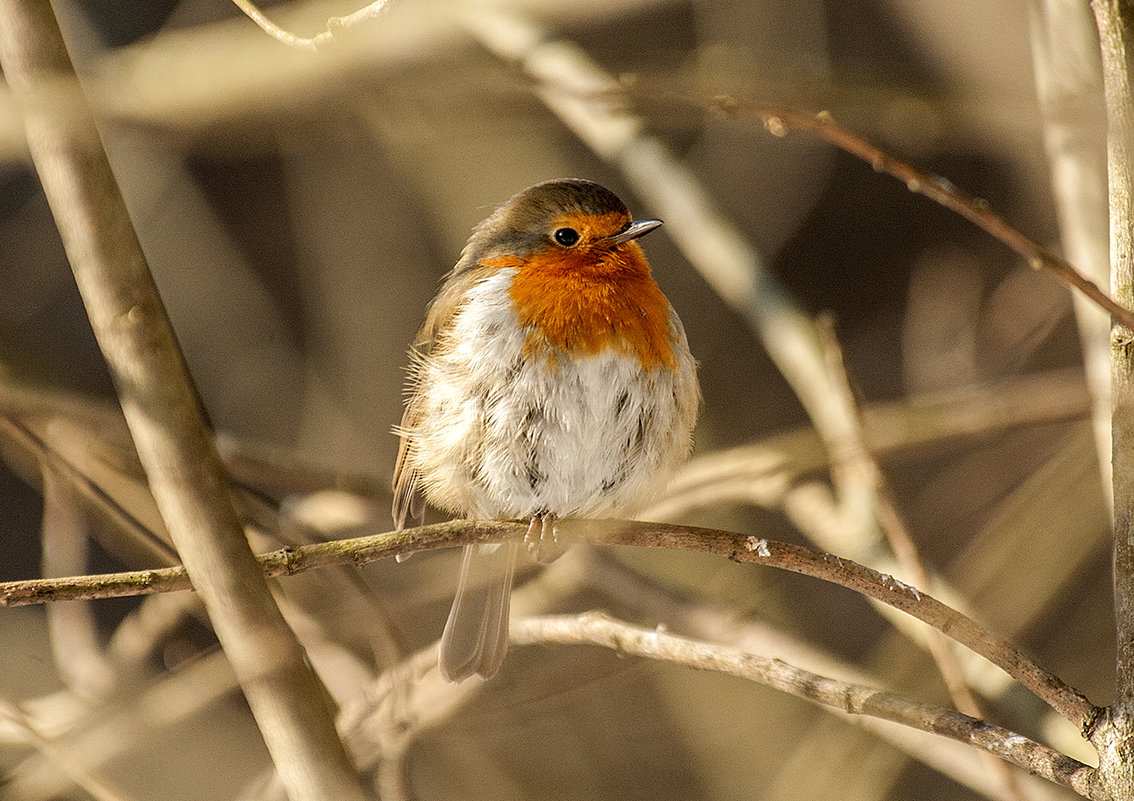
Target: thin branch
774 472
738 547
150 624
91 487
334 24
598 629
79 657
856 456
104 737
162 409
763 471
778 120
410 698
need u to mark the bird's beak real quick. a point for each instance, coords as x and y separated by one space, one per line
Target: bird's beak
632 231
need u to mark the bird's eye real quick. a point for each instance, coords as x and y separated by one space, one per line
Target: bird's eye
566 236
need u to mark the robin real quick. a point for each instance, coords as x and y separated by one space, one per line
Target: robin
551 379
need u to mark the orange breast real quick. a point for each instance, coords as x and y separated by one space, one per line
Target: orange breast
587 301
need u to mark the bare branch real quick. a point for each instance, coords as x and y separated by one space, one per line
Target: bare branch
319 40
598 629
98 738
1115 21
601 571
761 472
162 409
79 658
738 547
976 210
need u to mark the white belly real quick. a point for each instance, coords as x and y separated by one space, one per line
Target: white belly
504 435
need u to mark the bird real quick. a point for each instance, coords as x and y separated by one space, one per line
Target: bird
551 379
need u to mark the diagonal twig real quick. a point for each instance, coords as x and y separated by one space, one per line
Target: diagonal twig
779 120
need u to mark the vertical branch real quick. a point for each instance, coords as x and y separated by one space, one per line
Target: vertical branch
1115 736
1069 86
79 659
162 409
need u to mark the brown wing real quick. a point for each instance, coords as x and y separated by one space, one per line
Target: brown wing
408 501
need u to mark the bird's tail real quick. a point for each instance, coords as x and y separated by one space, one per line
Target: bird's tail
476 634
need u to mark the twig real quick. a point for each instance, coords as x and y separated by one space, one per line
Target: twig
150 624
312 44
598 629
761 472
856 456
410 697
162 409
102 737
738 547
779 120
90 488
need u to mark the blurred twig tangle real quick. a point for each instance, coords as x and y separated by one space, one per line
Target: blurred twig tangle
853 455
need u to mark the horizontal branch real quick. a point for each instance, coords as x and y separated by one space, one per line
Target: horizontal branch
739 547
855 699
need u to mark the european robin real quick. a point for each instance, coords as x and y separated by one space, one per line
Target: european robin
551 379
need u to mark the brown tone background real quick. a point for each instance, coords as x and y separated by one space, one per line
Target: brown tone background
297 211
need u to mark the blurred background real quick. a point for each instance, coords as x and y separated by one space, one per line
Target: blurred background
298 209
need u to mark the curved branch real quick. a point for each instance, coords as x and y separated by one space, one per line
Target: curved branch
319 40
598 629
360 551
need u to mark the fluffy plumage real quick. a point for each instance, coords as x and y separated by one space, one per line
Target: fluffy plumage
548 380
